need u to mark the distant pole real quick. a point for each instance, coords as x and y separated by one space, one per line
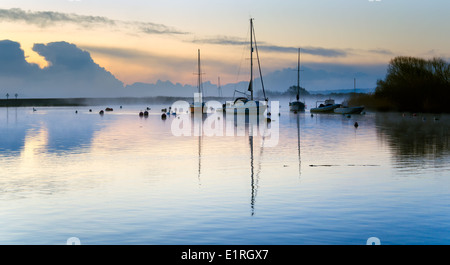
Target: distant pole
199 81
7 95
218 86
16 95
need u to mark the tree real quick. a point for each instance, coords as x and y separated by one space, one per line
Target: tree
416 84
292 91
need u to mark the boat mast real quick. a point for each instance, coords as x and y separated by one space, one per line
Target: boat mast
298 75
199 74
251 59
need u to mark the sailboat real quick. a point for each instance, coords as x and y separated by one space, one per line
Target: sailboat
198 105
297 105
244 104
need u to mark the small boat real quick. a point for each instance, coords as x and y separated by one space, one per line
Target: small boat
349 110
345 109
109 109
327 107
297 105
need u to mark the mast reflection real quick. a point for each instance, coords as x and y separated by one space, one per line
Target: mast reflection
298 145
254 175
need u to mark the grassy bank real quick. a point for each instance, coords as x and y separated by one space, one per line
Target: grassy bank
371 102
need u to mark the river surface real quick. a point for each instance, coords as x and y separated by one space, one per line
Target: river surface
119 178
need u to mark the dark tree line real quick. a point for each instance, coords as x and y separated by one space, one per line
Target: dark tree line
415 84
290 92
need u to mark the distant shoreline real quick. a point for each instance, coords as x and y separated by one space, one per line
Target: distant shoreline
74 102
62 102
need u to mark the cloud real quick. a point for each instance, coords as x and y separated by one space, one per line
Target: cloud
326 76
12 60
50 18
71 72
222 40
63 55
264 46
319 51
381 51
45 19
135 56
117 52
324 52
152 28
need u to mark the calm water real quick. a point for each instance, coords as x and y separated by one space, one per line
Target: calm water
122 179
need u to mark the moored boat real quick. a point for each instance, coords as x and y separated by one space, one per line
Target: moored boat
349 110
198 105
327 107
247 105
297 105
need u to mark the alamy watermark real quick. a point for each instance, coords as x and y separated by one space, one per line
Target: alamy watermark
370 241
73 241
373 241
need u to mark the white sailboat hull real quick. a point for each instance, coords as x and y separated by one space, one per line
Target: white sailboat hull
248 108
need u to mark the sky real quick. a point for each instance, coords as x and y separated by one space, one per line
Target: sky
123 43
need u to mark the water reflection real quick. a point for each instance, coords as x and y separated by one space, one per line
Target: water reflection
253 185
298 146
254 176
66 131
415 140
120 172
199 130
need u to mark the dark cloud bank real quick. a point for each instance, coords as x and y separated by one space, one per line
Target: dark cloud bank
73 73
